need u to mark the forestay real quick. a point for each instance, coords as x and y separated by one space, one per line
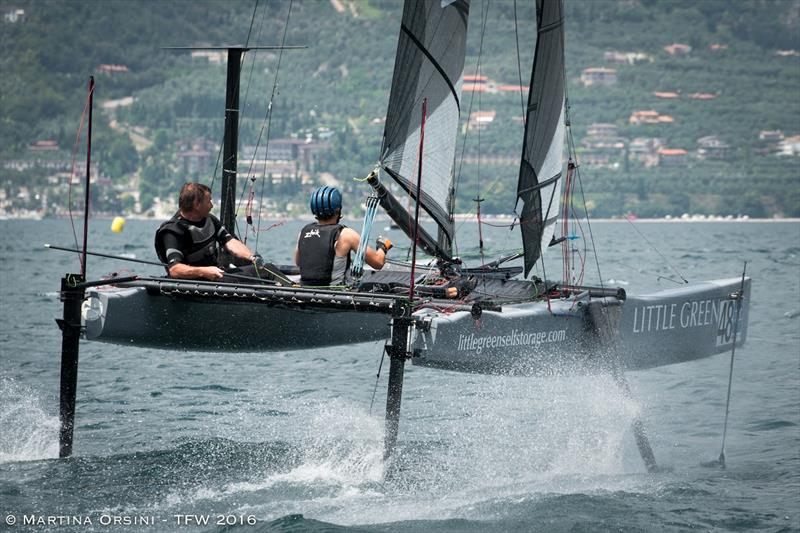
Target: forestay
429 65
538 190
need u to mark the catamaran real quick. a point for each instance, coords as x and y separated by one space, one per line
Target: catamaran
489 318
496 322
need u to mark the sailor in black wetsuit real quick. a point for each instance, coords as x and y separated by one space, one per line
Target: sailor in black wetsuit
323 247
189 242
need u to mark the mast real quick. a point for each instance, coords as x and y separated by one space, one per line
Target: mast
230 144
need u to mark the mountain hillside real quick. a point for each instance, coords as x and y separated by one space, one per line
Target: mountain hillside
676 107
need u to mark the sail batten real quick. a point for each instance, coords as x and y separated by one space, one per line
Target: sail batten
428 65
538 189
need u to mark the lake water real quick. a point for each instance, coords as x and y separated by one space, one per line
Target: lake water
164 438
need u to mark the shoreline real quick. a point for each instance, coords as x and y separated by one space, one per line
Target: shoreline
458 218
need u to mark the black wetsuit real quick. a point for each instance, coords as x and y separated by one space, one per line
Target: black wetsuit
179 240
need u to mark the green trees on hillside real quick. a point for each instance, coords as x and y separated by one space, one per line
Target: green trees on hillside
341 81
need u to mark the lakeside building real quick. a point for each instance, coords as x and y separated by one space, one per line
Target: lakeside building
512 89
43 146
483 84
194 160
702 96
211 56
770 135
308 155
112 69
602 146
645 150
626 58
649 116
598 76
475 84
673 157
790 146
602 130
480 120
769 142
678 49
14 15
711 147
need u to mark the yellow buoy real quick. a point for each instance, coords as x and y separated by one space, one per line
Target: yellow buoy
117 224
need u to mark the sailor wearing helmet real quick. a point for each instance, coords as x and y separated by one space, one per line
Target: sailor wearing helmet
323 247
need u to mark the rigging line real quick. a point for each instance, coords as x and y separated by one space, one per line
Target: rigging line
243 107
72 172
221 146
485 16
268 120
478 199
378 376
589 225
369 216
495 183
252 20
457 180
574 155
541 252
519 65
657 251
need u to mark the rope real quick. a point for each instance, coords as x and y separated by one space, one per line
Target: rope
485 17
72 171
268 120
222 144
242 110
378 376
653 246
369 217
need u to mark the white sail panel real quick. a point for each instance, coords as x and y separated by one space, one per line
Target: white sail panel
438 155
551 194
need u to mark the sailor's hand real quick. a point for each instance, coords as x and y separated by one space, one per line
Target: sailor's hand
212 272
382 243
257 260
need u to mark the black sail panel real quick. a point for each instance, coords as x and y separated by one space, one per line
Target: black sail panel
428 65
538 193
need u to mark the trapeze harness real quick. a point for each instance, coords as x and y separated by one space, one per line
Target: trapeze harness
193 243
317 259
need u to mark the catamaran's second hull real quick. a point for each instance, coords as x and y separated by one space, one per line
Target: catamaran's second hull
585 334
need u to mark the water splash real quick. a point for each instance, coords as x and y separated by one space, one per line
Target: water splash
29 433
345 451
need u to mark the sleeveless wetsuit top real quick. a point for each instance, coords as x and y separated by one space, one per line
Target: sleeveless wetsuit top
316 248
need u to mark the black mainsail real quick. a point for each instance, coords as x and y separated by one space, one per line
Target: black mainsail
428 65
538 189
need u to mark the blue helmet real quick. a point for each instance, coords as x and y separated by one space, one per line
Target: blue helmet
325 201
